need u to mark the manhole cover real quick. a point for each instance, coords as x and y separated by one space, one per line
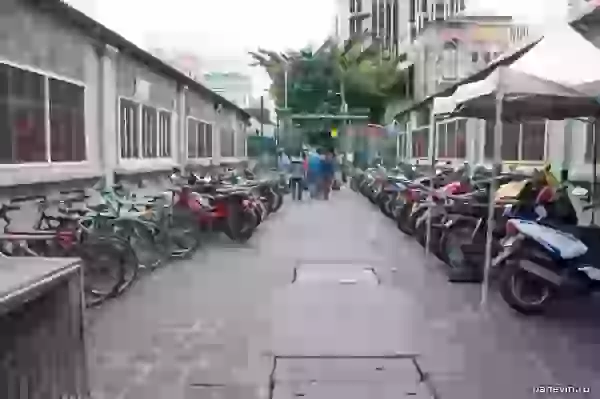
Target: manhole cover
335 273
348 378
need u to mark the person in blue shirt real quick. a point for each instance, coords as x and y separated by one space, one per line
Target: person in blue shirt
313 173
327 173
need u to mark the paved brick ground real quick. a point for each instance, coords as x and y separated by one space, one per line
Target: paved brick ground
203 328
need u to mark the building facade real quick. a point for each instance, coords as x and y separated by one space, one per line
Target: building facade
383 20
445 49
78 101
567 145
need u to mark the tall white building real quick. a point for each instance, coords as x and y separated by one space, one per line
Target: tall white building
383 20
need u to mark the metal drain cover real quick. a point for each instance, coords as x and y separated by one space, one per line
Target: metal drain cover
348 378
335 273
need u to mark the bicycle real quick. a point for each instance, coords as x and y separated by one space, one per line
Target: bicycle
101 256
154 230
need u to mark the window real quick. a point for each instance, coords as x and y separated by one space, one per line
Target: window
149 132
520 142
450 61
164 134
511 137
475 56
441 140
199 141
227 143
144 131
589 140
128 130
402 146
209 140
420 142
452 139
487 57
67 122
534 140
461 138
42 118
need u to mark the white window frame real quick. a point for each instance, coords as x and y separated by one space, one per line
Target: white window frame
450 59
49 75
162 143
520 159
206 123
437 141
139 133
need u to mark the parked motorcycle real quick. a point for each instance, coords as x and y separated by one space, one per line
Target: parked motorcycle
542 260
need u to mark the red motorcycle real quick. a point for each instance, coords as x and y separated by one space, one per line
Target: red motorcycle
422 211
227 210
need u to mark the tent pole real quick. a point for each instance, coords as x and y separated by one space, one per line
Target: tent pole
594 166
497 168
433 136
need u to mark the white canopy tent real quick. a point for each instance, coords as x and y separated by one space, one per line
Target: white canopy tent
558 78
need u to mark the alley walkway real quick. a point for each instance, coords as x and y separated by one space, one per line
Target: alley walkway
210 327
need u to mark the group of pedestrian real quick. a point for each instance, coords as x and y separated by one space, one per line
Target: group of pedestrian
313 169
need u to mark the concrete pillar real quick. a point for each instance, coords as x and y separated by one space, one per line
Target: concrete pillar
179 140
217 134
108 115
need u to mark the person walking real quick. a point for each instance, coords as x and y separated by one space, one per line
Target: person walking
313 173
283 167
327 174
297 178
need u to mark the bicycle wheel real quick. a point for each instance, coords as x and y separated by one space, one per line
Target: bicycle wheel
103 269
182 235
142 237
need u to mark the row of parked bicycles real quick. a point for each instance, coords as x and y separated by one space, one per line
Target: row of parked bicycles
117 232
540 252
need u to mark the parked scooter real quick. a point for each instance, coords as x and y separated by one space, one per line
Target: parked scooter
462 244
542 260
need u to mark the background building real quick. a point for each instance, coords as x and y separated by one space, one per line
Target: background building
236 87
100 104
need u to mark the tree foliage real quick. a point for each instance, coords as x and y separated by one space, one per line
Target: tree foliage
317 80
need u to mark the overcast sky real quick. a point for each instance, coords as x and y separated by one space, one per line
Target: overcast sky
225 30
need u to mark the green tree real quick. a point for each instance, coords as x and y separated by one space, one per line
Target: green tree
319 81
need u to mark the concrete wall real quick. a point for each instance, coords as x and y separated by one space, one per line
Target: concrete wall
44 44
